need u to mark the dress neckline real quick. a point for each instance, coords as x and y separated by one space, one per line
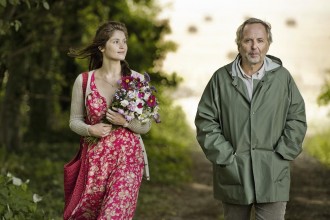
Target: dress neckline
95 89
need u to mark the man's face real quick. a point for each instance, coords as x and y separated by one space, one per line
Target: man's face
254 45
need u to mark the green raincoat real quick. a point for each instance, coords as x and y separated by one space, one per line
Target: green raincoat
251 142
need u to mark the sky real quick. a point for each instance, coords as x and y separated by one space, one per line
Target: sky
301 39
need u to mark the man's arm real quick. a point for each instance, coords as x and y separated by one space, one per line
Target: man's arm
289 145
208 125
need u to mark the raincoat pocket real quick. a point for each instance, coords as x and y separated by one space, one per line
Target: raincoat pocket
228 174
281 168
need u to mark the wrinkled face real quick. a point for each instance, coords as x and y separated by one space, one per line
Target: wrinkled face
116 47
254 45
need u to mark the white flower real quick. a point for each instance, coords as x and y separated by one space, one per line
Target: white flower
17 181
121 111
132 100
156 108
124 103
146 96
137 75
132 106
131 94
36 198
129 118
139 110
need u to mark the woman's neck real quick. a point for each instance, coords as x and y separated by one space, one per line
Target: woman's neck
110 70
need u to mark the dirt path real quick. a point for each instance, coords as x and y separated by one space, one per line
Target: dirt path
310 190
310 193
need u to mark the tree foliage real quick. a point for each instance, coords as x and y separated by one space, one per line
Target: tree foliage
36 78
10 21
36 74
324 97
16 199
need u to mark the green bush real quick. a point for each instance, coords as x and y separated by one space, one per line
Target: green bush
167 144
318 145
43 165
17 201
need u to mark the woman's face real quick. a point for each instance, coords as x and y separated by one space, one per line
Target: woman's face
116 47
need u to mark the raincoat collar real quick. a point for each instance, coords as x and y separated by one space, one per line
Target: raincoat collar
271 63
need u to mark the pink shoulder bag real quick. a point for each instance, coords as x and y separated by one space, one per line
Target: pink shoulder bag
75 173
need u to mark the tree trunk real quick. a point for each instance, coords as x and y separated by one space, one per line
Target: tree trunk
2 74
10 115
41 110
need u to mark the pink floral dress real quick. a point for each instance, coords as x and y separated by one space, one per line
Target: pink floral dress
115 168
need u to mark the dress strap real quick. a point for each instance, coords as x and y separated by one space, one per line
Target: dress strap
84 83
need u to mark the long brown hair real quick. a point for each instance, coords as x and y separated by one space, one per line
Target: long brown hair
92 51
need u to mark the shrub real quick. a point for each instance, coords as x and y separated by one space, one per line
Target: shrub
318 145
17 201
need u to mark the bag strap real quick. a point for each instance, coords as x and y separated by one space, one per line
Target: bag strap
75 171
84 83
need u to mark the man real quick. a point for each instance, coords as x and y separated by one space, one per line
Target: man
250 124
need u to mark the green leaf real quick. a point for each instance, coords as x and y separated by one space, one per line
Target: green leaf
3 3
4 192
46 5
27 2
24 186
9 214
17 24
14 2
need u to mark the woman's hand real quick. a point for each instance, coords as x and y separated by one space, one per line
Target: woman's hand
115 118
99 130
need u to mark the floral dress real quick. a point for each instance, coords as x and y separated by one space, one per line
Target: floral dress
115 168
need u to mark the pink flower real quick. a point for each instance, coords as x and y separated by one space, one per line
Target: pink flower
141 95
157 118
121 111
126 81
139 84
152 101
134 98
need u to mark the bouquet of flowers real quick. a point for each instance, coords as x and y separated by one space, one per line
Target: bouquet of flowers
135 98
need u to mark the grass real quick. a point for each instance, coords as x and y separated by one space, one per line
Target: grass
159 198
42 165
318 146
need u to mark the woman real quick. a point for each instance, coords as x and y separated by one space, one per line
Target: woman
114 164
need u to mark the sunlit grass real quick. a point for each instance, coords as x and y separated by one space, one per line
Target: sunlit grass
318 146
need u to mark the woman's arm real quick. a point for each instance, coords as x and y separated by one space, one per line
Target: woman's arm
140 128
77 112
134 125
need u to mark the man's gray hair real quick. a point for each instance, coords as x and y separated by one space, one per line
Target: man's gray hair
239 32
